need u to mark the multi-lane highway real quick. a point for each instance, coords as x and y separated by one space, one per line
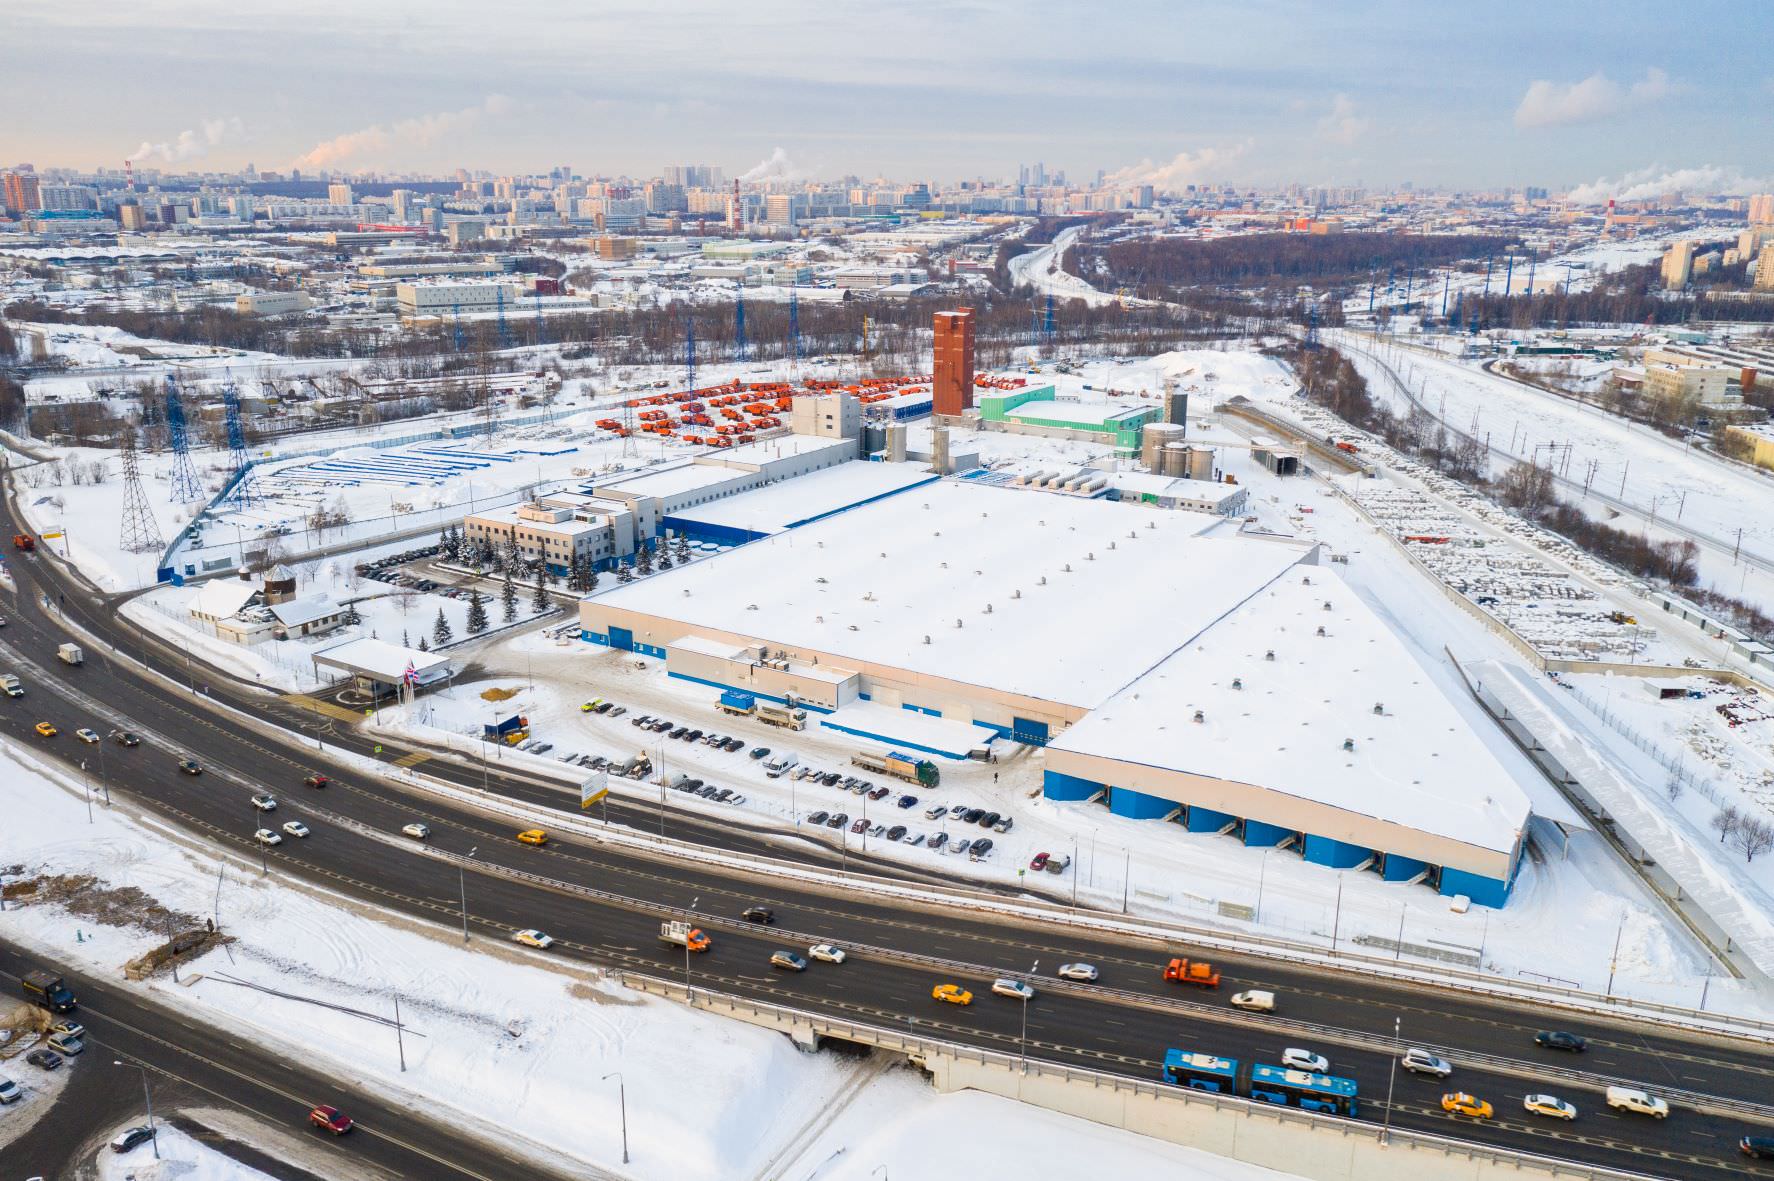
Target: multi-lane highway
1124 1026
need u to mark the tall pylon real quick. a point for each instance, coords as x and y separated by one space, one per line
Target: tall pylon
541 329
504 329
1047 325
456 324
241 461
141 532
794 325
739 347
186 487
689 355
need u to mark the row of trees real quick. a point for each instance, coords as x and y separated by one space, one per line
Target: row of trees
1150 264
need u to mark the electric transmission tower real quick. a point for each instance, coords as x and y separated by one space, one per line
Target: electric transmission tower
243 464
141 532
186 487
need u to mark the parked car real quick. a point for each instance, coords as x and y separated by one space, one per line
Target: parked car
1084 972
989 819
67 1044
679 732
1003 825
1558 1039
878 793
981 847
1420 1061
972 815
818 818
722 796
44 1059
957 811
735 744
838 820
330 1118
936 812
861 825
938 839
907 801
896 832
787 960
1300 1059
10 1092
130 1137
1038 861
1550 1106
830 778
1059 862
760 752
960 845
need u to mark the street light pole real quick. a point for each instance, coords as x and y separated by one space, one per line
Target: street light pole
148 1099
462 886
1262 872
1391 1078
688 997
1614 960
622 1097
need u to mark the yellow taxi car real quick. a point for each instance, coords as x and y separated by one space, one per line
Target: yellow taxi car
533 836
1460 1103
954 994
591 705
47 730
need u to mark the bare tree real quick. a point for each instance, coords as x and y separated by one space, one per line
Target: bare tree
1725 822
1754 835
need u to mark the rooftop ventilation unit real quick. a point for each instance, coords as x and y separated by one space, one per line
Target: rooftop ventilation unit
1327 605
1321 631
1016 594
1200 716
988 609
1348 744
1379 707
926 639
751 607
1269 655
1238 682
957 623
821 580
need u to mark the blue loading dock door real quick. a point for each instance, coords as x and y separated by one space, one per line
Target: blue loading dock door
1028 732
623 638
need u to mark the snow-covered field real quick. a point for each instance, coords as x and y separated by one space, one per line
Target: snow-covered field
182 1158
514 1044
1649 474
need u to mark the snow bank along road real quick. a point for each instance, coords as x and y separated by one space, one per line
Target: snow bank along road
121 1025
1126 1029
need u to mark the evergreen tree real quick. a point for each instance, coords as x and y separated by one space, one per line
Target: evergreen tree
351 618
590 578
644 560
440 631
665 557
508 598
477 613
424 644
541 601
683 549
624 572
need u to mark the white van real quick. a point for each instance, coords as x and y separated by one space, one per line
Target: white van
1633 1099
1255 999
781 764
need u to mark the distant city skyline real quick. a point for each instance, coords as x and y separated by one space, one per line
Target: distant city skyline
1612 97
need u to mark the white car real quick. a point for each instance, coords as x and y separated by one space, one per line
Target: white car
1549 1105
85 735
826 952
265 803
417 831
1005 986
533 938
1634 1099
1084 972
1305 1060
296 828
266 837
9 1092
1420 1061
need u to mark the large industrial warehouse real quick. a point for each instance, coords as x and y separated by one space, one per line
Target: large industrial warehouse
1098 631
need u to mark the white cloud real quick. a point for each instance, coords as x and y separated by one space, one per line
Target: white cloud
1182 169
1655 180
191 143
1342 125
379 138
1557 104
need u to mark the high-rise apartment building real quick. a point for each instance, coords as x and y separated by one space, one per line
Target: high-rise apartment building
952 371
19 192
1765 269
339 193
1678 266
1761 209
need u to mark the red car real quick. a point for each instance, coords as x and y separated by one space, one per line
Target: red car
330 1118
316 781
1038 861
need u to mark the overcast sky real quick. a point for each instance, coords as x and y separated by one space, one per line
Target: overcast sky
1550 92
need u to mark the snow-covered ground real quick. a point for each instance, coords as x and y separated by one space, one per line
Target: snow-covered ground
514 1044
1624 466
1041 269
182 1158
